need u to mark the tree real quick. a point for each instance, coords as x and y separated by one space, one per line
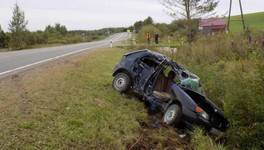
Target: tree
138 25
163 27
148 21
61 28
141 36
57 29
190 9
17 27
31 38
3 39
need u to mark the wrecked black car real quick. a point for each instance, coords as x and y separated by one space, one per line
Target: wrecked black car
171 88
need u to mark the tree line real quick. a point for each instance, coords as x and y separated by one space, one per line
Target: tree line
186 14
19 37
188 11
177 30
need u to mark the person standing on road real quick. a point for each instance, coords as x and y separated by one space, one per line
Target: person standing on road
157 38
148 37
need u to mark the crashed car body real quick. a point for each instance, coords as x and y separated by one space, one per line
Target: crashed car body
169 87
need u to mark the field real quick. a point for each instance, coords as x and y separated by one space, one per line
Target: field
233 77
253 21
70 104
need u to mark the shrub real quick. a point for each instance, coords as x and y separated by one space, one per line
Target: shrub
74 39
57 41
232 72
142 35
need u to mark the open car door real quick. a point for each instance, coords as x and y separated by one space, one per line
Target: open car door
144 68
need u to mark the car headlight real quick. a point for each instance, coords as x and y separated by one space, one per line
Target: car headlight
202 113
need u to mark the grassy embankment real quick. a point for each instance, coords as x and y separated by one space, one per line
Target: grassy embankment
233 77
73 106
70 104
253 21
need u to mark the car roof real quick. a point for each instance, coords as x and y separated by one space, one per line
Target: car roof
145 52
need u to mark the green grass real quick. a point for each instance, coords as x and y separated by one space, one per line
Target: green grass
72 105
233 77
204 142
172 44
69 107
253 21
162 43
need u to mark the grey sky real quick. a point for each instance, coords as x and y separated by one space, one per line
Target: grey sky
95 14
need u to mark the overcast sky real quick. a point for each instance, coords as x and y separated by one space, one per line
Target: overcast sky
96 14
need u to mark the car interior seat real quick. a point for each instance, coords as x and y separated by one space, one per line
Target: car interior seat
163 86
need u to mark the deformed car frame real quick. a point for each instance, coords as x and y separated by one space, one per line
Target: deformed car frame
174 90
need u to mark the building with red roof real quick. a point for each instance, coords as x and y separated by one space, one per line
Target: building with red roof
212 26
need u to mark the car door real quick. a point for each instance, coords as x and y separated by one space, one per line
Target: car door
153 78
143 69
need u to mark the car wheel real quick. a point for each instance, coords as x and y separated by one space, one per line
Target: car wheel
121 82
172 115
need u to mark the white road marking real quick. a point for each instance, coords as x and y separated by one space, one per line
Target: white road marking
60 56
46 60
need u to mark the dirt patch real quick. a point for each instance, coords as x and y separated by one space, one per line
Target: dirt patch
3 50
155 134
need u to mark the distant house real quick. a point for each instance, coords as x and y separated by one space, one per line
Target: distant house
212 26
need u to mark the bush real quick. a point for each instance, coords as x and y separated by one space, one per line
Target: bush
57 41
3 39
31 38
232 72
74 39
142 35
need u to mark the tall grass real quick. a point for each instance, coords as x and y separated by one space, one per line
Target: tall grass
204 142
232 72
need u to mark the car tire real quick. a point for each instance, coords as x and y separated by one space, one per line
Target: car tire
121 82
172 115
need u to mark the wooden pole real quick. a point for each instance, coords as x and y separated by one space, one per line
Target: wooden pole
229 16
241 13
242 16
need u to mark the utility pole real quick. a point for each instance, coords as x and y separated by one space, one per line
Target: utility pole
241 13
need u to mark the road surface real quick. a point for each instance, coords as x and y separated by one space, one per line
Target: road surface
16 61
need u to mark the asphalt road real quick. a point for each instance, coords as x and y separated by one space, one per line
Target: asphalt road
17 61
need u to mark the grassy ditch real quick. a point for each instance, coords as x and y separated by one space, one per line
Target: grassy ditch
232 72
70 104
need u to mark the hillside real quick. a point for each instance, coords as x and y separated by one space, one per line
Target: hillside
253 21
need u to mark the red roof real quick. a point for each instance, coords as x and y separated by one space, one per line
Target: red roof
213 23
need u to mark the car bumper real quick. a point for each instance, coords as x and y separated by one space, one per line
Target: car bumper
191 119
